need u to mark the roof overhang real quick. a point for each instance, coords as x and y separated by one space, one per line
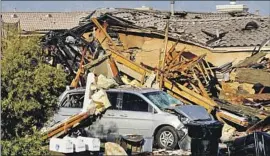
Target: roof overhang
237 49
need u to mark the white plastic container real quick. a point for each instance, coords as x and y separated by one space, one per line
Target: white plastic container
78 144
92 144
61 145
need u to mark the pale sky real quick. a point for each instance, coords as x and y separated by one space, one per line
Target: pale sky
200 6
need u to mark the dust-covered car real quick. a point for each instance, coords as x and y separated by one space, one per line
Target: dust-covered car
142 111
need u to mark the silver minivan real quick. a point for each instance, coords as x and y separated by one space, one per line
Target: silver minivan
142 111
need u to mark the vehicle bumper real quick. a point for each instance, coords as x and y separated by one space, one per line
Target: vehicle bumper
184 139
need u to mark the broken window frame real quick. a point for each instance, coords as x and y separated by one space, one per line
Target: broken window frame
67 102
139 102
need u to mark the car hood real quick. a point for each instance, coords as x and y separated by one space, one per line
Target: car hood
193 112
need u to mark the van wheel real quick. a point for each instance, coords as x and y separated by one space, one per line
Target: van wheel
166 138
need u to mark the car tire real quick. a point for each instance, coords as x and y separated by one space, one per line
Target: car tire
166 138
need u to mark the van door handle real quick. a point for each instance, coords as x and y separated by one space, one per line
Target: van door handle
110 114
123 115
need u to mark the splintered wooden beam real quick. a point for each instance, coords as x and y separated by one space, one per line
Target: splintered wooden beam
204 68
204 92
70 123
190 95
232 118
190 64
195 88
94 20
209 68
76 80
174 59
164 56
168 56
202 72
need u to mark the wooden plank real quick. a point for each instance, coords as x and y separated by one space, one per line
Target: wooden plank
232 118
76 80
209 68
248 75
202 72
175 59
171 50
251 60
94 20
189 94
192 63
114 69
204 68
203 91
69 123
128 71
128 63
96 61
159 65
195 88
164 55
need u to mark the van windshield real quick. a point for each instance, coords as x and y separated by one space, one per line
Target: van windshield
161 99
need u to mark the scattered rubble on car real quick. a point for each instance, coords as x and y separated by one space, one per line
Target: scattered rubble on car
241 99
95 105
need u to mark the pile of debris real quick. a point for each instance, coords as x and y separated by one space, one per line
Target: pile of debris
96 47
249 85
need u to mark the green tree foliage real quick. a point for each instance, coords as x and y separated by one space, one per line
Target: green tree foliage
29 91
31 145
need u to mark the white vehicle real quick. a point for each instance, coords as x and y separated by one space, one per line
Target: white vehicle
148 112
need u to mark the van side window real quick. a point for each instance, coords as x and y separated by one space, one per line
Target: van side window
112 96
73 101
132 102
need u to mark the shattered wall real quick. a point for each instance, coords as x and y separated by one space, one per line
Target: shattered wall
149 49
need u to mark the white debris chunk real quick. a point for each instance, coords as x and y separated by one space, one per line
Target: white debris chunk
87 103
149 81
101 101
134 82
105 83
227 133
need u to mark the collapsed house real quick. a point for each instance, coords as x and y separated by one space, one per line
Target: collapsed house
216 34
156 50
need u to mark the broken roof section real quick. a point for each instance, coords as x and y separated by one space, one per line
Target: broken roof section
211 30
